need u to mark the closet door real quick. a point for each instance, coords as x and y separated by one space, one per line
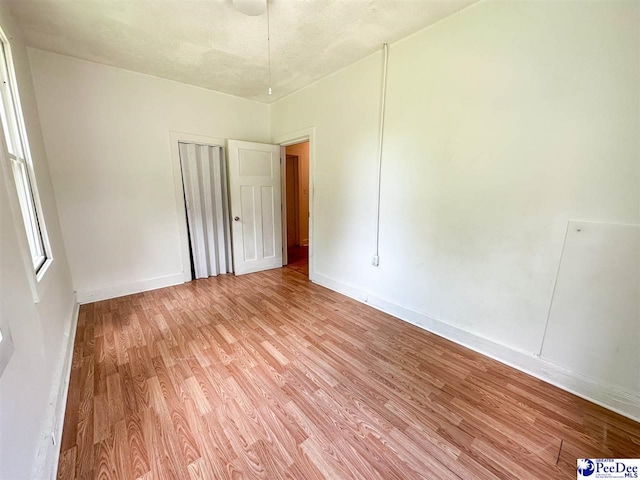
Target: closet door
204 178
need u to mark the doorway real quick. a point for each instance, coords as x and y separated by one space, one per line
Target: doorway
296 183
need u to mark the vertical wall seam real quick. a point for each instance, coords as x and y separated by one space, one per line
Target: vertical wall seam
553 293
385 49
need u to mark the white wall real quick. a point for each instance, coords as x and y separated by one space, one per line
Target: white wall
107 136
31 383
504 122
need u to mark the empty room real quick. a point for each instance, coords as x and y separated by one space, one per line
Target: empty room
319 239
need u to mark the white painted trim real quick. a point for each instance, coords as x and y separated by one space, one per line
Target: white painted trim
39 282
181 212
89 296
16 213
283 203
46 466
291 138
606 396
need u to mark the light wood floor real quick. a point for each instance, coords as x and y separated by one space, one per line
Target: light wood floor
270 376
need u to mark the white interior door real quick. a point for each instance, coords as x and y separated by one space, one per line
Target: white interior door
254 181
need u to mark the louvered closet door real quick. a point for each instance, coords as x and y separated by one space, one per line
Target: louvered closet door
204 178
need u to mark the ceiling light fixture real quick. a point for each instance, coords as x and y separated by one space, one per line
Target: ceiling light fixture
250 7
254 8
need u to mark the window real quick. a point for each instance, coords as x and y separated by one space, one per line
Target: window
14 132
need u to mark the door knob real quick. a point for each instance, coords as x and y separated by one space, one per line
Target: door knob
237 219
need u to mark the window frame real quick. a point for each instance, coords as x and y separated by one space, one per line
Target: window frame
21 165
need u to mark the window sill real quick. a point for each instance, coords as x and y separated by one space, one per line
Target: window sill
43 269
42 281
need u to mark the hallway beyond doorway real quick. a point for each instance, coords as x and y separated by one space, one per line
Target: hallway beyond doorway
295 189
298 259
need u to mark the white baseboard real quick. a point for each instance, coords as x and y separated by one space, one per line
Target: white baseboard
49 452
89 296
607 396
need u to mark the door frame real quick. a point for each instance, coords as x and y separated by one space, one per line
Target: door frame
291 138
181 209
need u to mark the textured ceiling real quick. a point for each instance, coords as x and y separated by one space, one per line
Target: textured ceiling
209 44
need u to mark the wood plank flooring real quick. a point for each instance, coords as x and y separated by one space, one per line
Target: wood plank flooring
270 376
298 258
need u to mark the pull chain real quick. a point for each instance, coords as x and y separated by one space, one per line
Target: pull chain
269 48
